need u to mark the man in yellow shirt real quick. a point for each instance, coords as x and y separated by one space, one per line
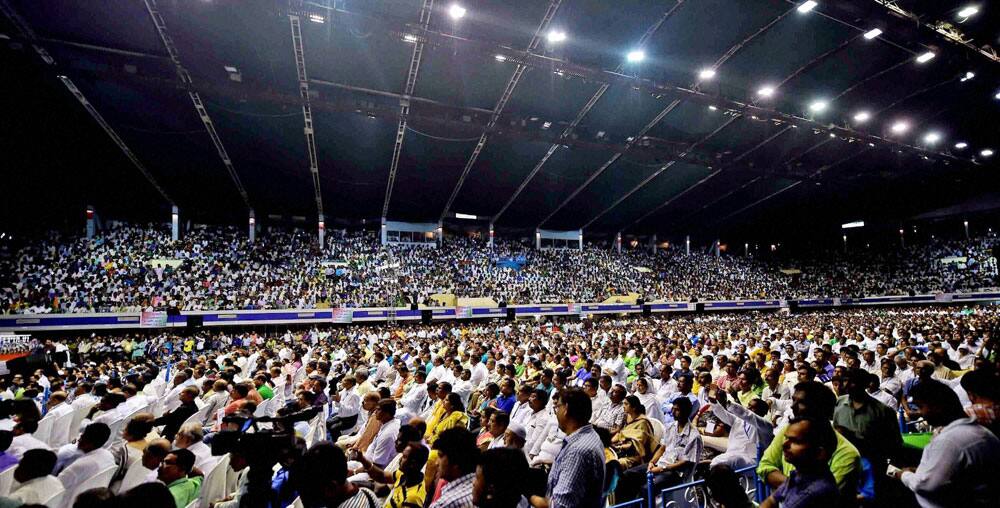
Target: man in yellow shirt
812 399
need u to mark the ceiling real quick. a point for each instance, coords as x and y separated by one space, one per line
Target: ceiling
499 121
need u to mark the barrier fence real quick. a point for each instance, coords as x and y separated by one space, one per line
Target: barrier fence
695 493
126 320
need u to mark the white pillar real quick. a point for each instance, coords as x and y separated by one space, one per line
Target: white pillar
717 254
580 237
491 235
966 224
687 245
90 222
902 238
440 234
321 232
384 232
618 243
252 232
845 243
746 248
175 217
538 239
652 245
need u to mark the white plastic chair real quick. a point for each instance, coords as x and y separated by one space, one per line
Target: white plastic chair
44 429
6 480
55 500
198 416
61 430
214 486
116 431
658 429
101 479
79 413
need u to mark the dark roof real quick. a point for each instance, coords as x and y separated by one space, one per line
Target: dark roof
626 147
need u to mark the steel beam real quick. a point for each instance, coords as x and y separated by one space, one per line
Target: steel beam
501 103
404 104
300 69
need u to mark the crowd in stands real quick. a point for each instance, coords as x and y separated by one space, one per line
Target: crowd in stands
134 268
829 408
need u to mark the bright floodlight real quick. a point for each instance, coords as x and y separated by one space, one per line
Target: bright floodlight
926 57
997 96
556 36
961 144
410 38
456 11
807 6
968 12
873 33
500 58
932 137
766 91
706 73
862 116
818 106
317 18
635 56
900 127
968 75
712 108
986 152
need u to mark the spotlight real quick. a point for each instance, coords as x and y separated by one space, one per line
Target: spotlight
986 152
900 127
500 58
712 108
873 33
818 106
832 135
932 137
706 73
968 12
807 6
997 96
968 75
317 18
926 57
634 56
556 36
961 145
766 91
410 38
862 116
456 11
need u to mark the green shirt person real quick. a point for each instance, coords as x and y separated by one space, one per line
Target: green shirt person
816 400
265 391
176 473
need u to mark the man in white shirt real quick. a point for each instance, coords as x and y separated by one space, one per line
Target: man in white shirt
749 429
348 404
58 407
414 398
383 448
24 439
538 420
958 467
34 477
189 437
521 410
93 458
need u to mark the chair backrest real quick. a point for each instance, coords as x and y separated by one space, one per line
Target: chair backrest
44 428
214 486
198 416
6 480
61 430
55 499
116 432
79 413
194 504
101 479
658 429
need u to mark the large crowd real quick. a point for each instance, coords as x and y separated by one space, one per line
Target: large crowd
133 268
828 408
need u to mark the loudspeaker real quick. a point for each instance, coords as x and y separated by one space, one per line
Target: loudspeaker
426 315
793 306
414 306
647 310
699 308
511 314
996 251
195 321
640 301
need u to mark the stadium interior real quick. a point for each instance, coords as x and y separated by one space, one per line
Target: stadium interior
499 253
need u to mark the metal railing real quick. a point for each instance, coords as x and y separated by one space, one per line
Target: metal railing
695 493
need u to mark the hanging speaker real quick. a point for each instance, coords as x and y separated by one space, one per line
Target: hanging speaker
426 315
511 313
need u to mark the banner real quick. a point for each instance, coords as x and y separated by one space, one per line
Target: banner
14 346
153 319
577 309
463 312
342 315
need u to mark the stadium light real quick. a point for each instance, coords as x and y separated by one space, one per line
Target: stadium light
807 6
997 96
410 38
706 73
932 137
317 18
456 11
465 216
986 152
556 36
852 225
712 108
926 57
900 127
766 91
862 116
961 145
634 56
967 12
873 33
500 58
968 75
818 106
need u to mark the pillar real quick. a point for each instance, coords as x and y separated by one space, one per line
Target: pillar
652 245
321 232
538 239
175 218
580 237
618 243
687 245
902 239
491 235
384 233
966 224
845 243
252 233
716 248
440 234
90 222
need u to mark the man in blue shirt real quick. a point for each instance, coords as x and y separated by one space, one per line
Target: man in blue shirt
577 476
505 401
